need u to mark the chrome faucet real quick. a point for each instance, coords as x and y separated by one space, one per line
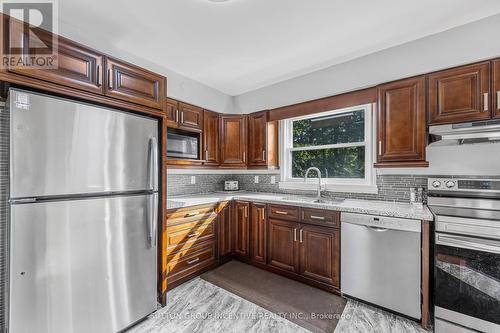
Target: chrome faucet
319 178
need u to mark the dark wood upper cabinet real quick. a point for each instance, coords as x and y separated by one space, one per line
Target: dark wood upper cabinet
77 66
262 141
233 137
134 84
211 138
190 117
283 245
172 112
460 94
320 254
258 233
496 88
224 220
240 229
401 123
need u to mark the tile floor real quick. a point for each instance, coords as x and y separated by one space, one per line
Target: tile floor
199 306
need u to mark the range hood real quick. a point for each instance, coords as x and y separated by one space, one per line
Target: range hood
487 131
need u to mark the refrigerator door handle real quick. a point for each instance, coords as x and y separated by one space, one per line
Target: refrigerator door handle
153 163
153 217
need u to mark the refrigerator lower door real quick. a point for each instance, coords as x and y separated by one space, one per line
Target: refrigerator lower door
81 266
61 147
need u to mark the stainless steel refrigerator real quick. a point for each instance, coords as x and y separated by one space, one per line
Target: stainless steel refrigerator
83 216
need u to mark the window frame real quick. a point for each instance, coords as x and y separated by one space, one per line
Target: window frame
360 185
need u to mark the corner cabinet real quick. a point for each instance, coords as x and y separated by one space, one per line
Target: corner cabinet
233 141
211 138
262 141
134 84
496 88
460 94
401 129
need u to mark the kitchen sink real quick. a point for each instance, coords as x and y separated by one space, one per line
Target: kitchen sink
314 200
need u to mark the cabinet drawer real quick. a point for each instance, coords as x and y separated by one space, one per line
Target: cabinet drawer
196 261
184 236
320 217
284 212
189 214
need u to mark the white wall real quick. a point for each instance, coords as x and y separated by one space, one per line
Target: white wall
475 41
179 87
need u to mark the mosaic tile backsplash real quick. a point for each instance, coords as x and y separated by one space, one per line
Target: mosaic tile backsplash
390 187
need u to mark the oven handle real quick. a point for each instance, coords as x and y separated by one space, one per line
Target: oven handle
485 245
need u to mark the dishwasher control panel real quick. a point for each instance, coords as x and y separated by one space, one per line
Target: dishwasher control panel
382 222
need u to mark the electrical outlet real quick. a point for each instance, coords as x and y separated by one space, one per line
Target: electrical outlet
193 180
256 179
273 179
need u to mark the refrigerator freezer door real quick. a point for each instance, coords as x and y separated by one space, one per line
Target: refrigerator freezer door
81 266
60 147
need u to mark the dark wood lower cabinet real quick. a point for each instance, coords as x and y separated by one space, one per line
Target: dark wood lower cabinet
319 254
240 229
258 233
224 220
282 245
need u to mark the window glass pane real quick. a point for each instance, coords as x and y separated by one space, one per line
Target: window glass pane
338 128
333 163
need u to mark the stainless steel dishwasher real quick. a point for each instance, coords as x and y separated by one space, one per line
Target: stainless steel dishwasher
380 261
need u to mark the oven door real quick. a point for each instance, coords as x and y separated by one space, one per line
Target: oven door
467 281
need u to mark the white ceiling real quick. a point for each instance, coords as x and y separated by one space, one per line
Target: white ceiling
242 45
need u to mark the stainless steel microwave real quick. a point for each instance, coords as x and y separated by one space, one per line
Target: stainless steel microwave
183 145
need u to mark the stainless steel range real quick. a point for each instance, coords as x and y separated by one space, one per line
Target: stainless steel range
467 254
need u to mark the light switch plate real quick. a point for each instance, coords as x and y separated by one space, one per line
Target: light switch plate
256 179
193 180
273 179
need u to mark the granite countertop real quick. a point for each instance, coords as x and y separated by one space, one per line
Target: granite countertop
371 207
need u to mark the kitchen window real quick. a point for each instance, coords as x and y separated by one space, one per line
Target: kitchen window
338 142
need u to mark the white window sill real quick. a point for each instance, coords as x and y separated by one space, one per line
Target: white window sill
350 188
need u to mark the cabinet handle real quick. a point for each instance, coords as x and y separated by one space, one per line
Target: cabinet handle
244 156
246 212
498 100
176 116
317 217
110 83
300 233
263 215
190 262
294 234
192 214
192 234
182 117
98 74
380 147
485 102
263 155
206 154
281 212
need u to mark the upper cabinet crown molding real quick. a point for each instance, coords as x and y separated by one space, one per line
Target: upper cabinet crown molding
460 94
401 124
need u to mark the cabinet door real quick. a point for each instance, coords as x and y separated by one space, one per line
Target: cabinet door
496 88
134 84
401 123
320 254
172 111
211 137
233 141
460 94
257 139
191 117
77 67
224 219
282 245
258 233
240 231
